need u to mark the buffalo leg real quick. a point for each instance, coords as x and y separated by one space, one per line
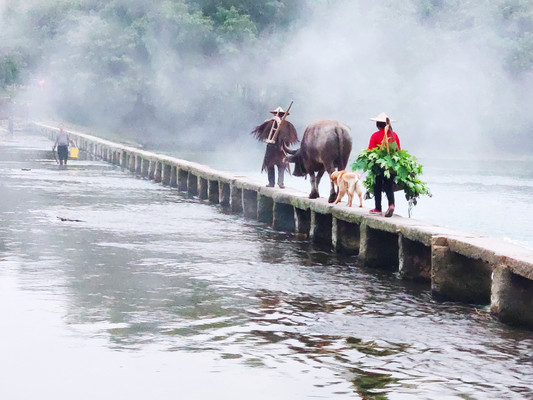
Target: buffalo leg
314 186
332 192
318 178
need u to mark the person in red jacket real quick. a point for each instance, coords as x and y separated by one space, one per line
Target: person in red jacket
385 137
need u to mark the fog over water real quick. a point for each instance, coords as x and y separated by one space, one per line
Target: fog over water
446 71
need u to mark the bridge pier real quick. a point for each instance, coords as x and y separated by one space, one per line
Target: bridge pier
224 195
165 174
152 169
131 163
265 206
213 192
183 176
346 236
173 176
302 222
203 192
321 228
283 217
158 172
511 297
236 199
192 184
457 277
414 259
145 168
378 249
138 165
249 203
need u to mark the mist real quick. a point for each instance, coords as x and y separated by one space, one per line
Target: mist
449 73
443 78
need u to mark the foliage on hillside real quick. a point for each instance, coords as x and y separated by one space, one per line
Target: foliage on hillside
114 54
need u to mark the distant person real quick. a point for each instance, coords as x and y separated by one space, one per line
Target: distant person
277 141
10 126
62 142
385 137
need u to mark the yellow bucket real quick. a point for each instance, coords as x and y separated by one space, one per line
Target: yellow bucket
73 152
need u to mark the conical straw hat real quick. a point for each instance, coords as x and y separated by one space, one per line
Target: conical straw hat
279 110
382 117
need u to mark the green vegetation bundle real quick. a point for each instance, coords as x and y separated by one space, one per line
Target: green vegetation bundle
400 165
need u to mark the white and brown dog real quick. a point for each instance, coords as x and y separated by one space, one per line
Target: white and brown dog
348 183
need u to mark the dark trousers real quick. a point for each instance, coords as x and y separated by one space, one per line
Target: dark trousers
383 184
272 175
62 152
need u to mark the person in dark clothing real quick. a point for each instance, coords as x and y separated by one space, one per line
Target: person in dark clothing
387 138
275 153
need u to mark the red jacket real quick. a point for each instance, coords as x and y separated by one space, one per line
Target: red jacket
377 138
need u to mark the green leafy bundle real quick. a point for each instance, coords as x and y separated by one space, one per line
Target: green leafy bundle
398 164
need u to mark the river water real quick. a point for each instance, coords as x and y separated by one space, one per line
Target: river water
140 292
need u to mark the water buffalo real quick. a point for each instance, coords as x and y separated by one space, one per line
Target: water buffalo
326 145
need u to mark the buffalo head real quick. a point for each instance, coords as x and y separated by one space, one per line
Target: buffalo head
299 168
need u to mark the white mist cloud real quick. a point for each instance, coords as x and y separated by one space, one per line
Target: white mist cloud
445 84
439 71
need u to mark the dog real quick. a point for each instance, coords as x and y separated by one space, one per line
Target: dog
348 183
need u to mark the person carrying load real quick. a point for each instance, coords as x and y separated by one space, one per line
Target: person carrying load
62 142
278 135
386 138
389 168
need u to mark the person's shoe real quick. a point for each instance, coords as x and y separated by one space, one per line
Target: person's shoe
281 187
375 211
390 211
269 185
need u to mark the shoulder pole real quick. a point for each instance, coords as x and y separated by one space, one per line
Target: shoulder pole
386 135
276 132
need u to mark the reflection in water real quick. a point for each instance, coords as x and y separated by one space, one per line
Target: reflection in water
150 272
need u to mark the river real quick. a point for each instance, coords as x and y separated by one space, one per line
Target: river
115 287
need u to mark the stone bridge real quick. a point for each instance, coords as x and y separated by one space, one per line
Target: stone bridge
459 266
